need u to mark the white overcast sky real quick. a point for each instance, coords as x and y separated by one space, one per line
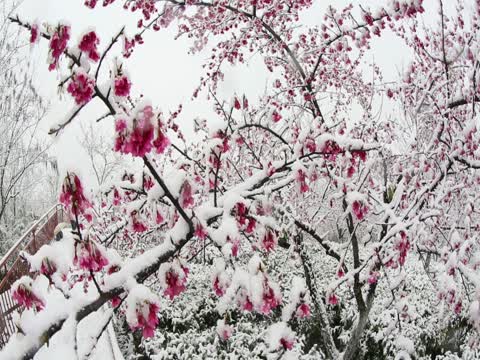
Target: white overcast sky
162 69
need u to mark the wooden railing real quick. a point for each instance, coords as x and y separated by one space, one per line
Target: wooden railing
13 267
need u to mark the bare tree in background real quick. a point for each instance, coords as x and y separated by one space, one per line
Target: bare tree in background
104 163
21 151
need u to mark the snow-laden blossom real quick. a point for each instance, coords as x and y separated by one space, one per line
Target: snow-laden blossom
224 330
89 256
34 33
269 240
135 136
402 246
220 279
122 86
301 177
81 87
161 142
298 304
173 278
58 44
137 224
200 231
48 267
88 44
186 195
359 209
332 299
142 310
23 294
280 337
72 195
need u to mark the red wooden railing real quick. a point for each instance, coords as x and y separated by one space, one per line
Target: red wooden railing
13 267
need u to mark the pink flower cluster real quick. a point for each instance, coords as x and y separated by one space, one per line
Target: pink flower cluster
270 298
72 196
269 240
224 330
23 294
58 44
88 256
89 44
359 209
402 246
81 87
244 220
48 267
186 195
34 32
147 319
174 278
137 138
301 178
122 86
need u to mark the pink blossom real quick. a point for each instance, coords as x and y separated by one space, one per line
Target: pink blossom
287 343
186 195
303 311
24 296
301 179
175 282
81 87
147 322
138 226
88 256
217 287
161 142
138 141
89 44
373 278
237 104
269 240
48 267
58 44
34 32
122 86
116 197
72 196
224 331
359 209
276 117
116 301
159 218
332 299
402 245
200 232
270 300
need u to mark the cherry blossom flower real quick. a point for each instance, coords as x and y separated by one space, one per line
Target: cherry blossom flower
146 318
88 44
269 240
122 86
34 34
23 294
359 209
186 195
173 278
224 331
48 267
88 256
137 139
333 299
72 195
58 44
161 142
81 87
